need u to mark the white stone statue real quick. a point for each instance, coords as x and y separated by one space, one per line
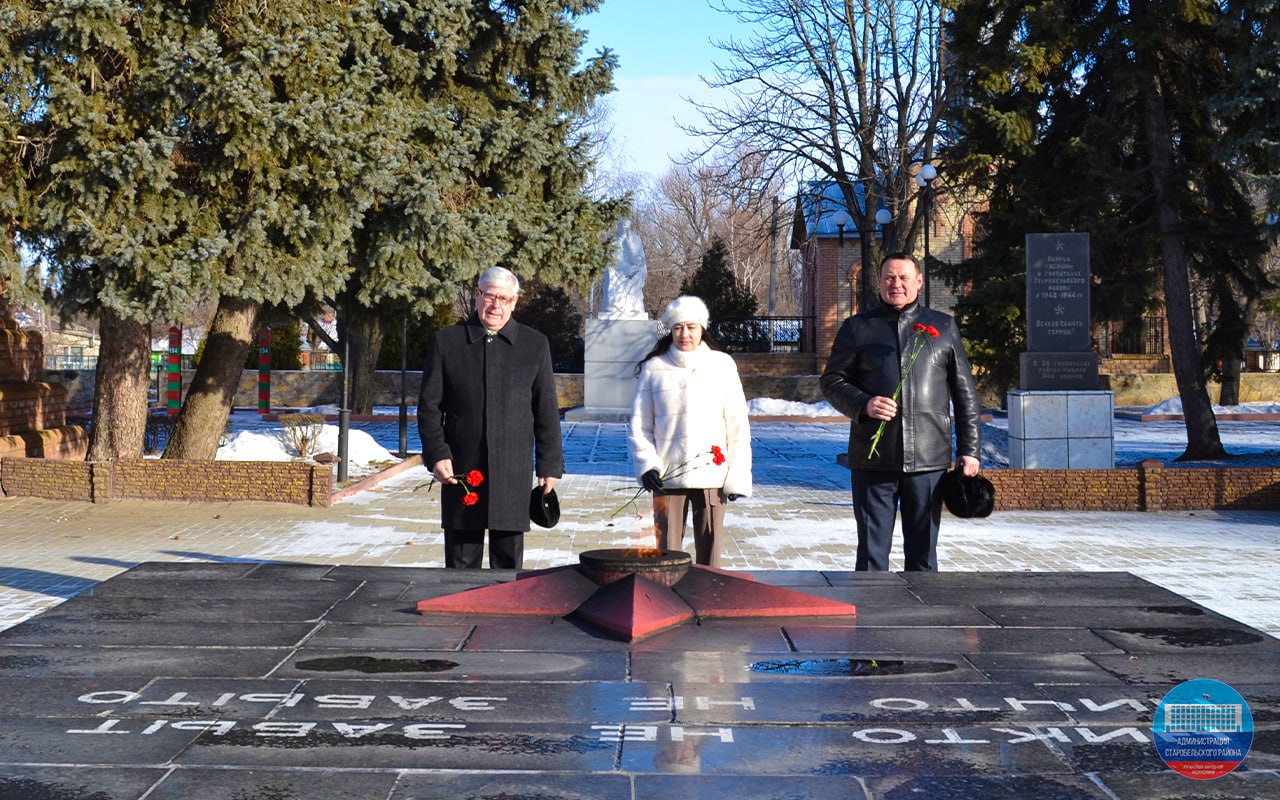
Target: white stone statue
624 281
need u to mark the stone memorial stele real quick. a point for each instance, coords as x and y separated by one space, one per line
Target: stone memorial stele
1059 419
620 335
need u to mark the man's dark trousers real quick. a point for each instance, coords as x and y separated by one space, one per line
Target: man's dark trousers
876 496
464 549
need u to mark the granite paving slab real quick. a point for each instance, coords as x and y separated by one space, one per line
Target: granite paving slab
859 751
192 698
479 701
394 665
54 631
923 641
1185 615
1047 668
839 703
75 661
192 610
272 784
405 745
1238 785
44 696
760 667
69 783
413 634
541 786
754 787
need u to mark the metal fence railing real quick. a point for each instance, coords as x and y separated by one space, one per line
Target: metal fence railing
765 334
1143 337
54 363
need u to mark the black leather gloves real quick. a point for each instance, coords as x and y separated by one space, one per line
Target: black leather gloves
651 481
731 497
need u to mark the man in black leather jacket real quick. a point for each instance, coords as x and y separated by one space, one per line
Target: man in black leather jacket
871 354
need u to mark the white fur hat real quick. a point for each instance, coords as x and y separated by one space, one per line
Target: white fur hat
686 309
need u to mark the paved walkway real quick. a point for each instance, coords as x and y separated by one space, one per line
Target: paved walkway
799 518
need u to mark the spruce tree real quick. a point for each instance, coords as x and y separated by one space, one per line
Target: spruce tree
727 299
490 167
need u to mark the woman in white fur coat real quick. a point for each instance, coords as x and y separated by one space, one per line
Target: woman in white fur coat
690 438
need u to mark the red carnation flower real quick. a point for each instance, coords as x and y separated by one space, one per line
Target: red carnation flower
475 477
716 455
470 499
917 343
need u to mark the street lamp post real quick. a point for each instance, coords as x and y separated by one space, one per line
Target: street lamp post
924 179
842 220
870 271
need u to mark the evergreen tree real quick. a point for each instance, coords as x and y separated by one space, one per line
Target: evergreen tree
728 300
549 310
185 151
1096 116
377 154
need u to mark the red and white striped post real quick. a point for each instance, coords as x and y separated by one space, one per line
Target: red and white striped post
173 398
264 371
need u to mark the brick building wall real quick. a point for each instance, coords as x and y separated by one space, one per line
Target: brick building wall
30 406
21 355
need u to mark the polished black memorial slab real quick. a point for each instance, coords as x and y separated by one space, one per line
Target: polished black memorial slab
55 630
543 786
701 786
69 783
487 701
273 784
231 681
391 665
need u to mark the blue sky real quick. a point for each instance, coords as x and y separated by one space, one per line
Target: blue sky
662 46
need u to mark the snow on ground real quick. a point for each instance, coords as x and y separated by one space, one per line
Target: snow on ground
1174 406
248 438
769 407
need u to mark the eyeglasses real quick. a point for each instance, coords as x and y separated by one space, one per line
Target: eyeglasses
497 299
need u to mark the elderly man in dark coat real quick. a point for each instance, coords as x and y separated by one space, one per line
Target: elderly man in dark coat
489 404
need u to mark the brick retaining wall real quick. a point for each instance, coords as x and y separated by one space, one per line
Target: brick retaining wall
1148 487
294 482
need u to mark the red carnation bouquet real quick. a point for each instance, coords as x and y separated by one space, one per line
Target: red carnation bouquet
918 340
715 455
473 478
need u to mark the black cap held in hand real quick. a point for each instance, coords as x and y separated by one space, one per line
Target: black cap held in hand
967 497
544 509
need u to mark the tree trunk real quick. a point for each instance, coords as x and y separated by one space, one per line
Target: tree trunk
120 391
199 427
1232 366
364 330
1203 440
1233 361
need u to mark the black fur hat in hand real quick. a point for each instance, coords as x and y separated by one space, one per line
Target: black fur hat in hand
544 509
967 497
